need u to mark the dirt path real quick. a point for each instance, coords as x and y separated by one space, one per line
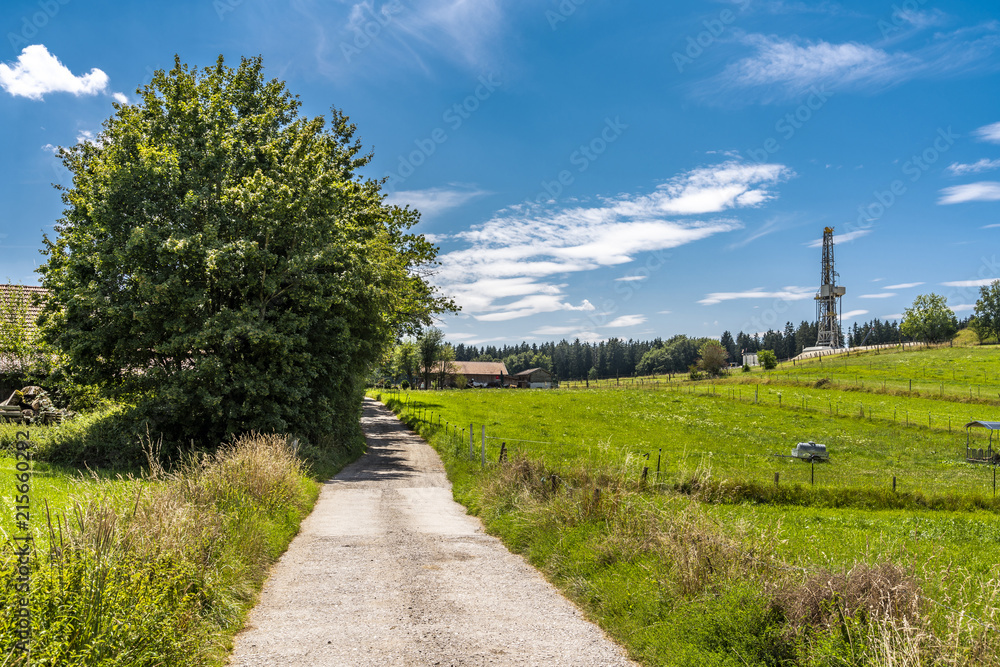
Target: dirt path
389 570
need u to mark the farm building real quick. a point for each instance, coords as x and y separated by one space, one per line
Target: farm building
533 378
481 373
33 296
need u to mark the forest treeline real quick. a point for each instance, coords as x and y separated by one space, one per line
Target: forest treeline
619 358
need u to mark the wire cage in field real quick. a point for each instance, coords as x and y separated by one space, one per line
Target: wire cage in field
974 450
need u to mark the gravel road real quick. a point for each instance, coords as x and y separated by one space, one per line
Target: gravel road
389 570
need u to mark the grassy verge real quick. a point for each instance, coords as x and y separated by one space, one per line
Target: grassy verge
155 570
681 580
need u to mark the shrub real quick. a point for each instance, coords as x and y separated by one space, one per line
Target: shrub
768 359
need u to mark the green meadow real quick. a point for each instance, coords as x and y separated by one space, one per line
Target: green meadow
654 505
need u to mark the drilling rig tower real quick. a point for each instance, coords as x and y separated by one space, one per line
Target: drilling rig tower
828 298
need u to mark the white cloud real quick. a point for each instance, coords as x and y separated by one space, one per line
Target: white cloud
990 133
50 148
630 279
842 238
903 286
981 191
785 294
625 321
993 226
121 98
962 307
38 72
663 312
432 201
510 255
880 295
797 66
86 137
851 314
893 316
787 68
969 283
959 169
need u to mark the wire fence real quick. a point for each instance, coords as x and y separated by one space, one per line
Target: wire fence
489 446
493 450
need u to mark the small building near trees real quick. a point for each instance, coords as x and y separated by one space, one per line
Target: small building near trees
532 378
478 373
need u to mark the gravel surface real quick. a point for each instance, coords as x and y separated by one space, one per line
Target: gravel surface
389 570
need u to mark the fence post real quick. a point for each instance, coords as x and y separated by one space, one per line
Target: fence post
894 484
472 450
484 445
776 476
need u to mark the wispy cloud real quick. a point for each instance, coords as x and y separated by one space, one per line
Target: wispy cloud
959 169
38 73
411 34
625 321
785 294
786 68
630 279
511 255
962 307
981 191
969 283
903 286
990 133
851 314
878 295
432 201
841 238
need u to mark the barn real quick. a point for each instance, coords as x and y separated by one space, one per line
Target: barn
481 373
533 378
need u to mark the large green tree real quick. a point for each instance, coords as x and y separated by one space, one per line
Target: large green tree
929 319
987 313
222 261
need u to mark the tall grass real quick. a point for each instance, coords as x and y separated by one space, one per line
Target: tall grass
160 570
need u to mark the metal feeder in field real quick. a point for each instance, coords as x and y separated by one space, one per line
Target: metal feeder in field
980 455
810 451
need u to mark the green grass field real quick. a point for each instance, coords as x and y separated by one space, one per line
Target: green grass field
619 565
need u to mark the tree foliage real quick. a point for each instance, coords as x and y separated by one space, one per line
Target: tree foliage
768 359
929 319
713 357
431 347
221 260
987 313
18 338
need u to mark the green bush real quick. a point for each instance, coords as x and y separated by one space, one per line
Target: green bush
768 359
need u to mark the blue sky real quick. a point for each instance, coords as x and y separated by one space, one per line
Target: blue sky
589 168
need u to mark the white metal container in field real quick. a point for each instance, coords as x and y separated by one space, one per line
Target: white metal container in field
810 451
